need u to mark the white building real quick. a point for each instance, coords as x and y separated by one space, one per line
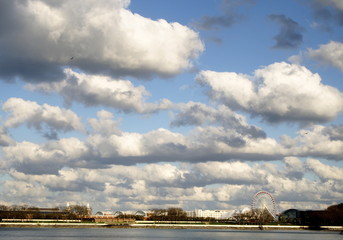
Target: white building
112 213
216 214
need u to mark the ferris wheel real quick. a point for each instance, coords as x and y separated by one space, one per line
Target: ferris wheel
264 201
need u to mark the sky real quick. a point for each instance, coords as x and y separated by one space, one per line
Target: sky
142 104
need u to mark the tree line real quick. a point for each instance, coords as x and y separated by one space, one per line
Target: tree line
332 216
178 214
31 212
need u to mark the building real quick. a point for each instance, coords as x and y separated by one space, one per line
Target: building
216 214
110 213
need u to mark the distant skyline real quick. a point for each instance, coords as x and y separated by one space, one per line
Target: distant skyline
136 105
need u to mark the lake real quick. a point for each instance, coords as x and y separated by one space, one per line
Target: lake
148 233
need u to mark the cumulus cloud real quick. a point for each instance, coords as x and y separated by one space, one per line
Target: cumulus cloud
199 114
208 185
45 158
105 124
334 133
24 190
100 37
72 180
169 183
162 145
300 193
226 172
325 172
294 168
107 145
280 92
37 116
129 148
99 90
290 35
329 54
317 142
5 139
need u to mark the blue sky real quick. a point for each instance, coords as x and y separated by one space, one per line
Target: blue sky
130 105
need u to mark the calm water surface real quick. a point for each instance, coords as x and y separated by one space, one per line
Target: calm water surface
143 234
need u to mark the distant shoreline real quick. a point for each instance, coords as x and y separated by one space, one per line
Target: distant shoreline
164 226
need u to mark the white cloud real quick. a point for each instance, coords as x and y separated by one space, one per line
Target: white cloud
107 145
72 180
104 125
23 190
293 163
319 141
230 87
290 190
330 54
238 173
278 92
294 168
162 145
115 146
228 184
325 172
129 148
5 139
193 113
100 37
99 90
45 158
37 116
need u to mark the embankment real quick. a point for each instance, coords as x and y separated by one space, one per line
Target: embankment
169 226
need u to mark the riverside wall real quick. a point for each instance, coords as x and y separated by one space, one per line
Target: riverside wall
169 226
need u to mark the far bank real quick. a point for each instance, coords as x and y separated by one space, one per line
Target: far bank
167 226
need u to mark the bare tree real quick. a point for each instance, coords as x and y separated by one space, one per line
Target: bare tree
263 216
